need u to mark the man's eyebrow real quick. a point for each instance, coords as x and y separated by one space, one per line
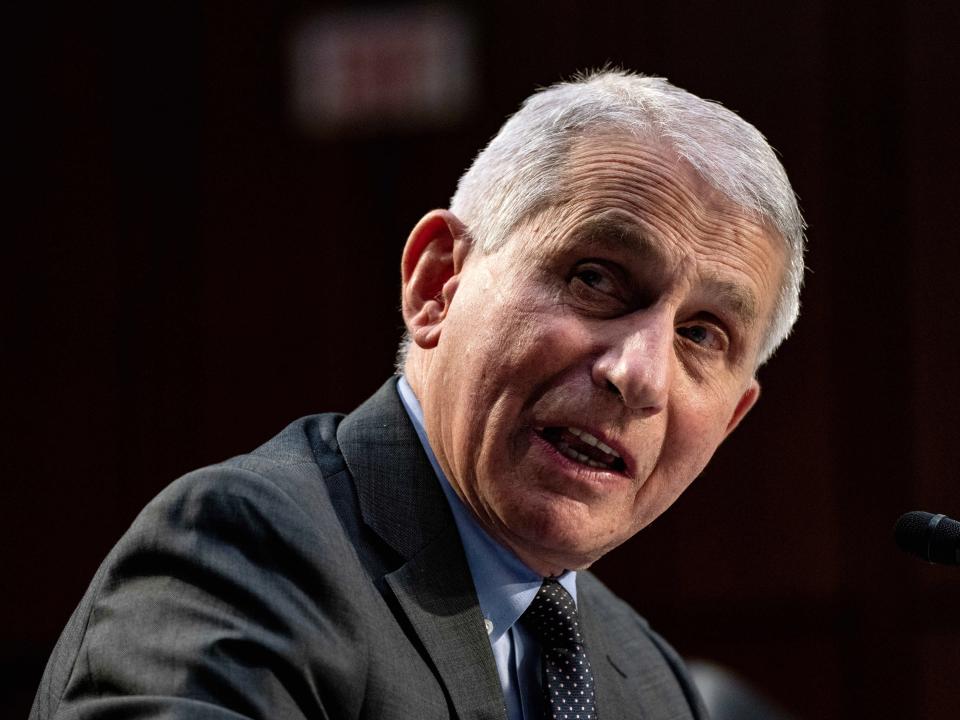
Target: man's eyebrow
735 299
608 229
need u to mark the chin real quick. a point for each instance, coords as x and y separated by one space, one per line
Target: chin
555 537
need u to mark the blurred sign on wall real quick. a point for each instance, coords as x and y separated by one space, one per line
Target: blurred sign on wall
371 71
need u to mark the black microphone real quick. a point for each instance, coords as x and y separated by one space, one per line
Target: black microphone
935 538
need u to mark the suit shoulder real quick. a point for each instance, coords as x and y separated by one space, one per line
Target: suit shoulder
238 571
310 440
292 465
282 483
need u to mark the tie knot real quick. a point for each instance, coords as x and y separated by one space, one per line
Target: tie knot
552 617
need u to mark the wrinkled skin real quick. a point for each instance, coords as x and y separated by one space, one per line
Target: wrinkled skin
633 308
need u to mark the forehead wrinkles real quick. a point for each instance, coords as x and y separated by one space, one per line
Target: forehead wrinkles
665 195
664 190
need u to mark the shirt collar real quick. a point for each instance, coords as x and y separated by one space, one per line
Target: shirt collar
505 586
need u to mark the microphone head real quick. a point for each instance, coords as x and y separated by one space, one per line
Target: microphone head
935 538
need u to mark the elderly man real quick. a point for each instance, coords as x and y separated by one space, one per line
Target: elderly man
583 330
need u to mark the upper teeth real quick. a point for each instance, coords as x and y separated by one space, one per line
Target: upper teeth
591 440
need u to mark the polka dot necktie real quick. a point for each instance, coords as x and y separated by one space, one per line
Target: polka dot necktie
567 681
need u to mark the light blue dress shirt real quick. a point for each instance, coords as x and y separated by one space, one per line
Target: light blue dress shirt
505 588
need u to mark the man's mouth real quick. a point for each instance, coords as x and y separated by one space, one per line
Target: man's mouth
582 447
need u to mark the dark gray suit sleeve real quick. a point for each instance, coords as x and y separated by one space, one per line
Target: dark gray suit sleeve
217 603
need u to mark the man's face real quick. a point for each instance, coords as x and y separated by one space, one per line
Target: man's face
585 373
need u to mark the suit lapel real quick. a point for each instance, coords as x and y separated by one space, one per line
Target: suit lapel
609 672
441 604
401 500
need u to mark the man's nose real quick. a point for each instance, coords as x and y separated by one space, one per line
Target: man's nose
637 364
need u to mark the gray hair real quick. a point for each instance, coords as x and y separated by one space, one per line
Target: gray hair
522 169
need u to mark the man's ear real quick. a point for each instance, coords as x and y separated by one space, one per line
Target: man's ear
432 260
747 401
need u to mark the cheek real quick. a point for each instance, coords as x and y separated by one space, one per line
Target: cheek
524 345
554 334
699 429
685 453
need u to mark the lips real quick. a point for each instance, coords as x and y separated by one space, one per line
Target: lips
583 447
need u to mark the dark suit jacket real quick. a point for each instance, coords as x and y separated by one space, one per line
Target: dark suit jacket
320 576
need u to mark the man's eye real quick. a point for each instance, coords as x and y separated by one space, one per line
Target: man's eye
596 278
696 333
703 335
593 278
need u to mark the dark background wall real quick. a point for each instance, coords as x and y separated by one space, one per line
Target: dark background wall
187 272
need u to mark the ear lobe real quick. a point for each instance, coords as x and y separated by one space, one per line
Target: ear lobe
432 260
747 401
